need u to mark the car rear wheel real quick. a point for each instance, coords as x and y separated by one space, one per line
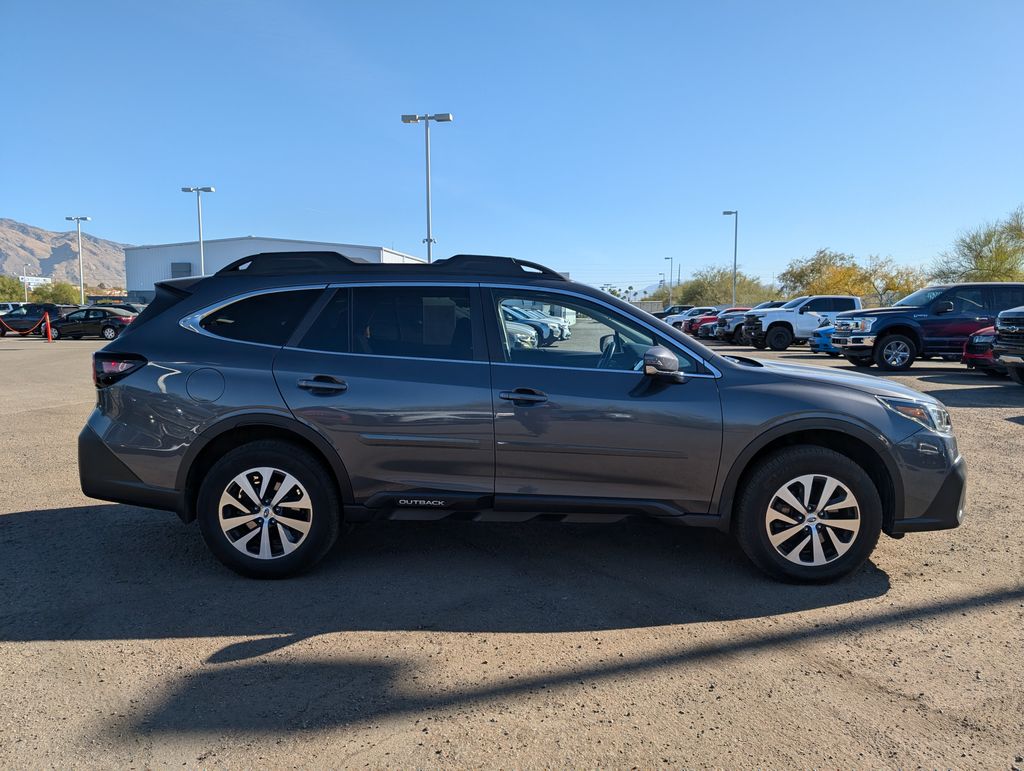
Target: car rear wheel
808 513
895 353
54 333
779 338
268 509
108 333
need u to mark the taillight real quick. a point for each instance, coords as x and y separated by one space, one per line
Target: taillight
108 368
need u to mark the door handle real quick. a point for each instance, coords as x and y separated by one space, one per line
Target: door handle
524 396
324 384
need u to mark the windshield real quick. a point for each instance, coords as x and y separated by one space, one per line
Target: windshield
767 304
922 296
794 302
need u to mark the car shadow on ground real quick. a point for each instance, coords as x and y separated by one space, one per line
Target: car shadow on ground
117 572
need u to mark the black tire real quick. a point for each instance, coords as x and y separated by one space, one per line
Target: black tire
109 333
54 333
859 361
737 336
308 471
759 490
677 324
895 353
779 338
993 372
759 344
1016 374
3 332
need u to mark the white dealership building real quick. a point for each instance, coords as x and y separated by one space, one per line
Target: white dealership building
145 265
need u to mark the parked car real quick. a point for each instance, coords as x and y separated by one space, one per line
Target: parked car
821 341
548 332
29 317
694 324
520 336
104 321
7 307
978 353
671 310
679 319
563 330
135 308
289 393
934 321
794 321
1009 343
729 327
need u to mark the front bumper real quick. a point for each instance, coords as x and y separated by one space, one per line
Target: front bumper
946 509
852 341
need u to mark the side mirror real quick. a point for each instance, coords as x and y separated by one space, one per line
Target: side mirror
946 306
606 340
803 309
659 361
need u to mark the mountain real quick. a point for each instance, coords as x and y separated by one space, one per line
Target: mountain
48 253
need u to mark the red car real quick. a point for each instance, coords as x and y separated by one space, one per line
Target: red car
692 325
978 353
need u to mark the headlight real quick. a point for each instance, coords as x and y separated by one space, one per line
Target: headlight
861 324
983 339
933 416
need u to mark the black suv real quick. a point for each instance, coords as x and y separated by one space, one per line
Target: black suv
29 318
934 321
1009 345
291 392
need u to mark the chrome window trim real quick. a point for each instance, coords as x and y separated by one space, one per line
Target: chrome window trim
192 321
381 355
716 373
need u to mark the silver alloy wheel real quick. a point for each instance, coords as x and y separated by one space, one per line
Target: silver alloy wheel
109 333
812 520
896 353
265 513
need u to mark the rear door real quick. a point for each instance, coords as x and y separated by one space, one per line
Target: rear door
93 321
577 421
396 376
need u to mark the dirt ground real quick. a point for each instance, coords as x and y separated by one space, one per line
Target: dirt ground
124 643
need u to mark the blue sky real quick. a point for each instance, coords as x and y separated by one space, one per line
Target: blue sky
596 137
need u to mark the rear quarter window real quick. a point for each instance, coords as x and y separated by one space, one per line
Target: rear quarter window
265 318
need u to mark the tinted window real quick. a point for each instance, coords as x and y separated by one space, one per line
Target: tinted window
266 318
582 335
922 296
1004 297
418 322
968 299
821 304
843 304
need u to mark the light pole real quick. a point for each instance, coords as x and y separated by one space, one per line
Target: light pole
81 264
735 240
199 210
441 117
671 262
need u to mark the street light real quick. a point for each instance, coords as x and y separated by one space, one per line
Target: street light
199 210
735 240
441 117
81 264
670 264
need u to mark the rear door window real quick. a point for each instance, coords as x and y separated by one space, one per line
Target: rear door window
268 318
423 322
1005 297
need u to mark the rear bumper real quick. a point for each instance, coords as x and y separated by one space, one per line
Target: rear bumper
103 476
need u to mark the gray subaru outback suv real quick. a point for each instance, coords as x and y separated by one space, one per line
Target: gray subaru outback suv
289 393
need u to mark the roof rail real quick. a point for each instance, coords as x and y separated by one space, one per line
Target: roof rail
500 266
289 263
277 263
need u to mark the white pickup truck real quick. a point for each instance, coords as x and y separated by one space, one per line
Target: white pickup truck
778 328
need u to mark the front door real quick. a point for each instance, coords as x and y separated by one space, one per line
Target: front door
397 378
578 419
947 332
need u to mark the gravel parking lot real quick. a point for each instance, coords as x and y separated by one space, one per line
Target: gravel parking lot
124 643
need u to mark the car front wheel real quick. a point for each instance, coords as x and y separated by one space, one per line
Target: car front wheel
808 513
268 509
895 353
779 339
